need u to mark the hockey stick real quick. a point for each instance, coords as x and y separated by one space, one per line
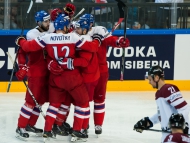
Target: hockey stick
154 130
121 5
22 31
78 14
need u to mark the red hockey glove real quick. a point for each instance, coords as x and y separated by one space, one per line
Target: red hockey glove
18 40
21 73
54 67
54 13
69 9
67 63
124 43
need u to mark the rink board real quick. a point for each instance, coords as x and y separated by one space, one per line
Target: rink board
168 48
139 85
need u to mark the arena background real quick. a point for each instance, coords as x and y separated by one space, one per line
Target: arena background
168 48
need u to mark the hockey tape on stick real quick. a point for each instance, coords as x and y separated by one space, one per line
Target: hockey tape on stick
79 13
115 27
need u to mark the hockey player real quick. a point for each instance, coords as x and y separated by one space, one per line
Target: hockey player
89 67
168 99
100 89
61 47
37 74
177 125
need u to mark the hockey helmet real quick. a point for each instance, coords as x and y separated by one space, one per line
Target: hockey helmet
176 121
83 23
155 70
61 21
41 16
89 17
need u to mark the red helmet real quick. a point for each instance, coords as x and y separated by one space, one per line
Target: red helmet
54 13
69 9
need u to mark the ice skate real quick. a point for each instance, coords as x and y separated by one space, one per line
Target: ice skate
67 128
78 136
60 130
33 129
98 130
48 135
84 131
21 134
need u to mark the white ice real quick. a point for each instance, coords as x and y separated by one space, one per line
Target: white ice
123 110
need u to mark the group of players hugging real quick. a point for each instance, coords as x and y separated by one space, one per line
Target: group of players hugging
65 63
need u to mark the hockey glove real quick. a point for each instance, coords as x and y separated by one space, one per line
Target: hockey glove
69 9
18 40
66 63
54 67
21 73
186 129
122 42
98 37
54 13
143 124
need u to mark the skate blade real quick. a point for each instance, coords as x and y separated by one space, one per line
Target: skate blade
98 135
73 139
39 134
46 140
20 137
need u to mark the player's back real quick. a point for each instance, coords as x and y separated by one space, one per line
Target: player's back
60 45
177 138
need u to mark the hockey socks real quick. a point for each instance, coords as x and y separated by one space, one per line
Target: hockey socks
51 115
34 116
25 114
99 112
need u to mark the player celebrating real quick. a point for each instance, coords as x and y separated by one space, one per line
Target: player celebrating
168 99
37 73
177 125
100 89
61 47
89 67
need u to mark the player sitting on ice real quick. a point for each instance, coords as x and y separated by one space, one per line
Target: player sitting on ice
168 99
177 125
100 88
61 47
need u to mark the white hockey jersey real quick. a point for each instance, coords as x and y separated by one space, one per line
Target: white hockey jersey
33 33
169 100
99 30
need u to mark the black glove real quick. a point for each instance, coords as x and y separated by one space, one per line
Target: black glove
143 124
186 129
10 72
18 39
98 37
